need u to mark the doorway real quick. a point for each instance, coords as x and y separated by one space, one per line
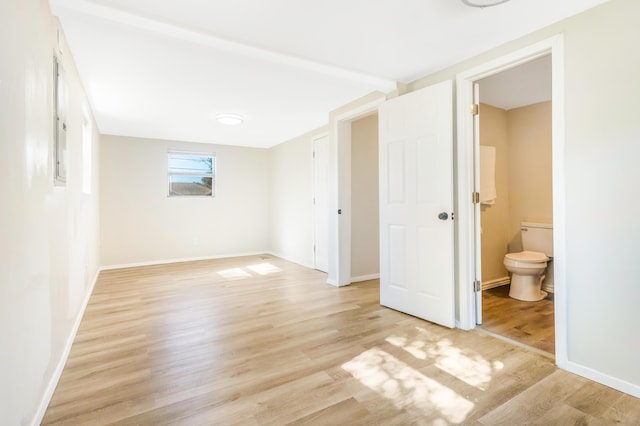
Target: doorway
469 226
515 150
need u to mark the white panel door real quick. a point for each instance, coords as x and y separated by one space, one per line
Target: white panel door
416 192
321 203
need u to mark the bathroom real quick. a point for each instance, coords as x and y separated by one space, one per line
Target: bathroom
516 146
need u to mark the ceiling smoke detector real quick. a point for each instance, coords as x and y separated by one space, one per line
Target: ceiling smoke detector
483 3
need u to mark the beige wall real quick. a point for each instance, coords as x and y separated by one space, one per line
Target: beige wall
49 244
495 217
291 198
140 224
530 177
522 137
599 170
365 253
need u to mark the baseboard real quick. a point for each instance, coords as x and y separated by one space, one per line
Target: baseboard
365 278
190 259
292 260
486 285
55 377
605 379
332 282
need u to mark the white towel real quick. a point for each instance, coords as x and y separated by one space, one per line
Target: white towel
487 174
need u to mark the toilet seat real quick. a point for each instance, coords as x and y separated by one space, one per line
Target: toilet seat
527 257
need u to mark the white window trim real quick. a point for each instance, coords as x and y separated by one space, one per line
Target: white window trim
211 155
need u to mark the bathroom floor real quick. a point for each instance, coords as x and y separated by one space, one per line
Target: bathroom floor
530 323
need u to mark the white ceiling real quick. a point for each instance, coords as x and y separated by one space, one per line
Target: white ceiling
523 85
163 69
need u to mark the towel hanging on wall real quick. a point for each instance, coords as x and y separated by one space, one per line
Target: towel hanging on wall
487 174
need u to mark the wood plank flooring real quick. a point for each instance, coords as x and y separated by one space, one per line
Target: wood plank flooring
261 341
530 323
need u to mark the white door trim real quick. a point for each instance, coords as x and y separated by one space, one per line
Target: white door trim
465 164
340 190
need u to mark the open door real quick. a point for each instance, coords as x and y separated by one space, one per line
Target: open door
416 204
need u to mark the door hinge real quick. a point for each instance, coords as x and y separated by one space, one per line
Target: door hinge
475 197
475 109
477 286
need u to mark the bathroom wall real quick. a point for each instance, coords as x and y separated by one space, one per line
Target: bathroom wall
495 235
365 257
522 137
530 178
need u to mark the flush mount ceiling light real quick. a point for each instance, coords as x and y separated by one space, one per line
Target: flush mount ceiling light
229 118
483 3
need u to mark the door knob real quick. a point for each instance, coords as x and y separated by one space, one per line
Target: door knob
443 216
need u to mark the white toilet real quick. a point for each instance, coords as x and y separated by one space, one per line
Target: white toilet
527 267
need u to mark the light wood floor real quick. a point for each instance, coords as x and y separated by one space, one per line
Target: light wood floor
530 323
259 340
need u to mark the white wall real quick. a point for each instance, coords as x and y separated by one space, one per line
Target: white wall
602 175
291 195
601 186
49 237
140 224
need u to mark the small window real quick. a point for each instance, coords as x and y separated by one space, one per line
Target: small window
191 174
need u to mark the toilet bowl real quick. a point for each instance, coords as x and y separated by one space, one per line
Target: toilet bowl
527 273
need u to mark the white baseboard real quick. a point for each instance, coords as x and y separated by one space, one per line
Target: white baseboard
190 259
365 278
57 372
605 379
292 260
486 285
332 282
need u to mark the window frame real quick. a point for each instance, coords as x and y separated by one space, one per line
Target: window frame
60 106
196 174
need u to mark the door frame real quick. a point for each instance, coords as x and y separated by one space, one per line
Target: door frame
340 187
466 184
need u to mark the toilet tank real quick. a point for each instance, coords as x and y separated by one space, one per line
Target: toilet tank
537 237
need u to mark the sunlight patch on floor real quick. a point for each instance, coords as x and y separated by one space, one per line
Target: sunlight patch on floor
469 367
415 348
264 268
234 274
406 387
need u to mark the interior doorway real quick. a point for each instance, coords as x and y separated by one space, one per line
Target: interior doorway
515 150
340 218
469 225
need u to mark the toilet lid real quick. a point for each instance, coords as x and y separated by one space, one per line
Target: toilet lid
528 256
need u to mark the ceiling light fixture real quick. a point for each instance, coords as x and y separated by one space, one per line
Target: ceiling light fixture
229 118
483 3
